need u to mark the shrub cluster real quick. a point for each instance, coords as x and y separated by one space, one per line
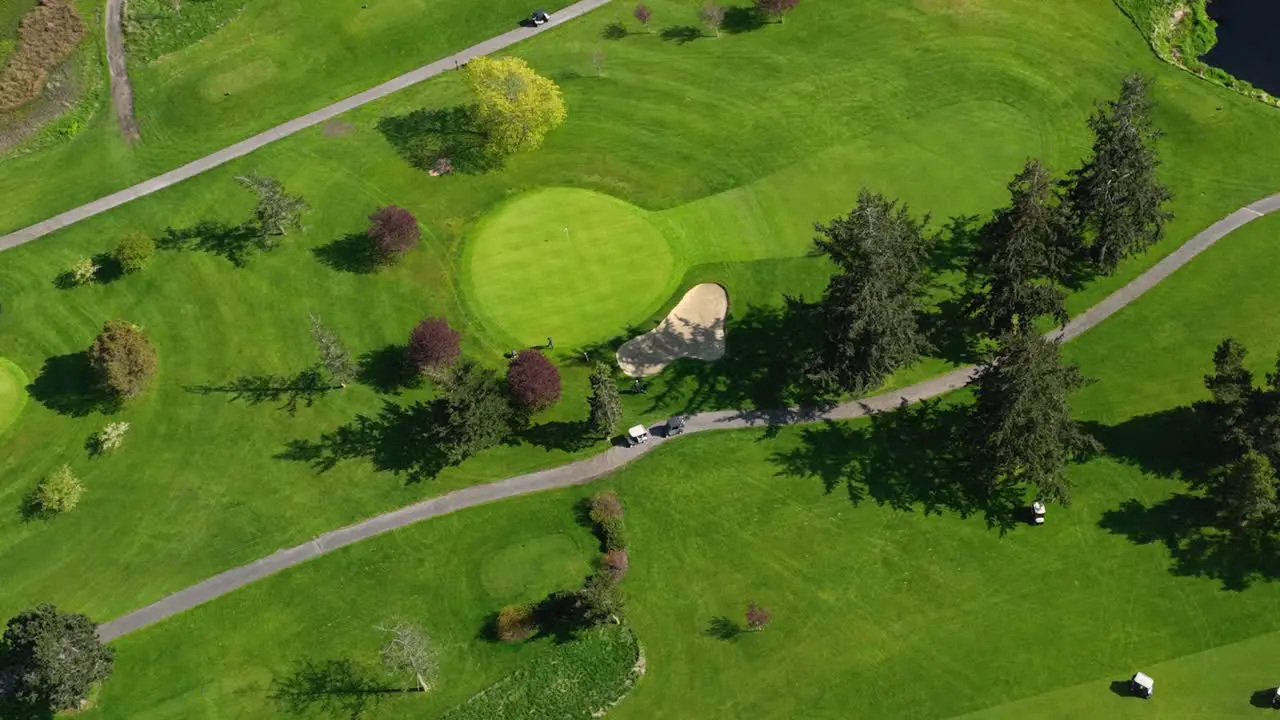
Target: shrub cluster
134 252
123 359
516 623
47 35
58 493
393 231
606 514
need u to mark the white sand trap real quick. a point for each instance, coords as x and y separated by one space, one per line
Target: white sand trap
693 329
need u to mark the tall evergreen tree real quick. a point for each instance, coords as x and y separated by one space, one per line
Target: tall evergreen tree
477 415
1233 397
1245 490
1024 433
605 403
1021 252
1115 199
871 307
334 356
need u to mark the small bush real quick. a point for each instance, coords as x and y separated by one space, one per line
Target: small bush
83 272
515 623
615 563
59 492
123 359
47 35
757 617
110 437
134 252
606 513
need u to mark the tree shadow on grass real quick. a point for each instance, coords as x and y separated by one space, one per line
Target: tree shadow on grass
916 457
236 243
723 628
332 688
952 328
67 385
742 19
387 370
351 253
681 34
1177 443
614 31
567 436
424 136
302 389
399 439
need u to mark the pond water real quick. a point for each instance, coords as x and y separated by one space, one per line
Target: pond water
1248 41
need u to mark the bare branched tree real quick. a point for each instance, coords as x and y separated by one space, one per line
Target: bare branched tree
409 651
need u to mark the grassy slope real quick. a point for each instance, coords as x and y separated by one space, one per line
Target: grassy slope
278 60
876 612
13 393
941 121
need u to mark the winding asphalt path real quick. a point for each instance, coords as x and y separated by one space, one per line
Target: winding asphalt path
584 471
244 147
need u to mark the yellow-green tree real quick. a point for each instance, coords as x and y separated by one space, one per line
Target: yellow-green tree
515 106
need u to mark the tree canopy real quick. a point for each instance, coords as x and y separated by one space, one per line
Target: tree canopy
434 346
394 231
605 403
123 359
477 415
871 307
515 106
334 357
1115 199
55 657
277 211
1023 430
534 381
1021 252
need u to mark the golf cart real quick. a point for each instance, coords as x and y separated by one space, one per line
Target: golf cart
539 17
636 435
675 426
1037 513
1142 685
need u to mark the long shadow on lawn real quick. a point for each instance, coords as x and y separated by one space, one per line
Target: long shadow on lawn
423 137
236 243
742 19
333 688
1177 443
301 389
914 457
351 253
67 386
387 370
399 439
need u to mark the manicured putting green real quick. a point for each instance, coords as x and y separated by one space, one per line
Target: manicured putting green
13 393
530 569
574 265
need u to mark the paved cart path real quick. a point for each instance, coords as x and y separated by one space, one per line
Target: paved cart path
585 471
244 147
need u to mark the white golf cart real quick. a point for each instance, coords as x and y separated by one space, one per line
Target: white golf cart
1142 685
1037 512
540 17
636 435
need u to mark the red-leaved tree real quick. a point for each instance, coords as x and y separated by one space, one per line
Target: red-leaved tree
757 617
615 563
777 8
534 381
434 346
394 232
643 14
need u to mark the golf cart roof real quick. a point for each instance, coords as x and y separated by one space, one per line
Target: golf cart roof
676 422
1144 680
637 431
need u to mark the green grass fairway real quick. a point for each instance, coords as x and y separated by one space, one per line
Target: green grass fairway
13 393
574 265
866 599
729 148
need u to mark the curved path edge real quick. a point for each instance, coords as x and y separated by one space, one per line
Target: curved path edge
244 147
584 471
118 68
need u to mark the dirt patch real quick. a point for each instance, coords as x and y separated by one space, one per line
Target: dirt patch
338 128
61 92
693 329
47 36
121 88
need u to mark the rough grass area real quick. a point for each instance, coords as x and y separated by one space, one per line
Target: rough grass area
13 393
154 28
573 681
47 35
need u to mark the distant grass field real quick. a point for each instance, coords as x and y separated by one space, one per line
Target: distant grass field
732 178
13 393
877 612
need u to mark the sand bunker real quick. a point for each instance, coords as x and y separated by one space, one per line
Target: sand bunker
693 329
